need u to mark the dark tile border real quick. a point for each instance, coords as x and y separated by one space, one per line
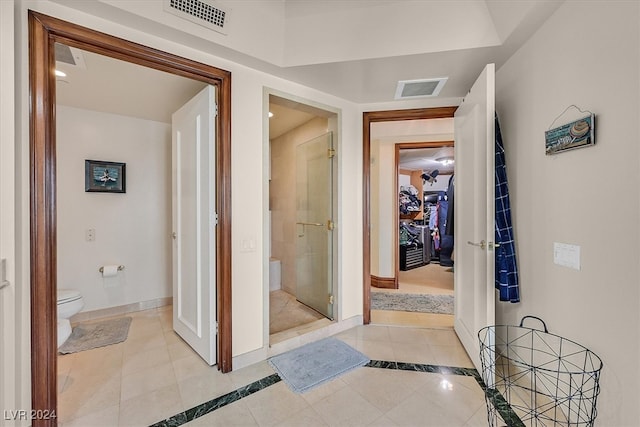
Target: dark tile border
218 402
492 395
432 369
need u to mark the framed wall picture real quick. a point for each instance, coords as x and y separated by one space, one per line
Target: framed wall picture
104 177
576 134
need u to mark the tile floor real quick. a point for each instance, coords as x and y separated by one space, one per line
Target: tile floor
289 318
285 312
154 375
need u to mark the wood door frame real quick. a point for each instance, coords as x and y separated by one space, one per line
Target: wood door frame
396 215
44 31
367 119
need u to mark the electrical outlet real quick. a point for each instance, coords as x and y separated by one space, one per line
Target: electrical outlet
90 234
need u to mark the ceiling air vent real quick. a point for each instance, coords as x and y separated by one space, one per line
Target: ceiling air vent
69 55
207 13
408 89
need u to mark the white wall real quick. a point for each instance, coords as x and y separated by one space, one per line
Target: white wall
403 180
14 319
245 19
562 198
383 246
131 229
441 184
346 31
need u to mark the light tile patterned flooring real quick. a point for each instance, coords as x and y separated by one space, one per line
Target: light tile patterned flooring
289 318
154 375
285 312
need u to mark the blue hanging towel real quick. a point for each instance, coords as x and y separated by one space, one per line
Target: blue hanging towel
506 267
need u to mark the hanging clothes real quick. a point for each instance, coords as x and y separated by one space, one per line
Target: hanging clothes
506 267
435 233
451 198
408 200
447 234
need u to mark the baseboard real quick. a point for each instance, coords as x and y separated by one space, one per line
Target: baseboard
261 354
242 360
122 309
384 282
318 334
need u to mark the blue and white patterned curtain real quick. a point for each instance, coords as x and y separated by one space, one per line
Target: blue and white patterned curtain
506 266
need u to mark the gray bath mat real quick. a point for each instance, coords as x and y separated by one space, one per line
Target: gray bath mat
86 336
316 363
437 304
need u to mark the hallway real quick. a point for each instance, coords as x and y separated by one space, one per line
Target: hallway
431 279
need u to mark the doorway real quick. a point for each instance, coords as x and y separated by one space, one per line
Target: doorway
368 119
44 32
412 275
302 175
475 156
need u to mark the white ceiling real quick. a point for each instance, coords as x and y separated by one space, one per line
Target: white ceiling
118 87
415 131
284 119
100 83
289 114
355 49
426 159
361 49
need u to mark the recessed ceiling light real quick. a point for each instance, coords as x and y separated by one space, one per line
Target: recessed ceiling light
445 161
60 73
270 114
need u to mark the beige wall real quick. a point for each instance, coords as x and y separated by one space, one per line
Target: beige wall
383 203
282 195
588 56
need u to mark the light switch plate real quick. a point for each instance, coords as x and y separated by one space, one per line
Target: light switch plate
248 245
566 255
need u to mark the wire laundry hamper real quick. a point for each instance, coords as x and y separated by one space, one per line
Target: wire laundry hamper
534 378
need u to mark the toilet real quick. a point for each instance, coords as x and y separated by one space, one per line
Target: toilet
275 274
70 302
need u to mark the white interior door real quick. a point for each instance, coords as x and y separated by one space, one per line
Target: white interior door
194 233
475 213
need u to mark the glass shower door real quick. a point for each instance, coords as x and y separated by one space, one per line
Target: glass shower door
314 224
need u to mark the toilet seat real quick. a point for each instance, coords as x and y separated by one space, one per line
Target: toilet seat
70 302
68 295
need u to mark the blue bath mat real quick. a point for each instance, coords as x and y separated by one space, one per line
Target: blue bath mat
316 363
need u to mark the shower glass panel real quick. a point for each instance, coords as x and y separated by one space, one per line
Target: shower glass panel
314 224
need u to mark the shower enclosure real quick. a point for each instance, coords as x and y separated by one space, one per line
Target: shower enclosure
314 224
